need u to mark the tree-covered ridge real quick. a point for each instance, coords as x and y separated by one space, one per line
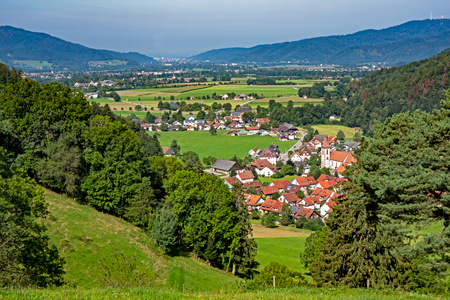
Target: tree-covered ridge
19 44
385 45
381 94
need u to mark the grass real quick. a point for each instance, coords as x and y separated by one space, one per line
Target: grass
85 236
32 63
269 179
169 294
101 100
219 146
285 250
332 130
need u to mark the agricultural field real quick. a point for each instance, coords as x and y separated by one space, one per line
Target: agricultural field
220 145
32 63
298 81
269 179
332 130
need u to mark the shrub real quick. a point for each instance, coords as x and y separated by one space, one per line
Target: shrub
284 277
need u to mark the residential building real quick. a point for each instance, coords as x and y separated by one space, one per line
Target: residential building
333 159
268 155
262 167
167 151
245 177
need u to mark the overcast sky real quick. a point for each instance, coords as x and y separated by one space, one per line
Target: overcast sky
176 28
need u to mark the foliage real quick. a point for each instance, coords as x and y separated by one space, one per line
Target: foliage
213 130
175 147
286 215
288 170
254 215
26 256
121 271
279 164
268 220
284 277
340 136
310 224
164 231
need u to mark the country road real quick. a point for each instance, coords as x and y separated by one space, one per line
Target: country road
285 156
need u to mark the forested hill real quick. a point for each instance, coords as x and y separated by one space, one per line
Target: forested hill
18 45
381 94
396 45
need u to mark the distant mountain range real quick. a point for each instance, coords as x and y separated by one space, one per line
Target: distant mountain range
32 50
400 44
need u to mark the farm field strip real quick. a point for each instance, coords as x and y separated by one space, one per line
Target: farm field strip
332 130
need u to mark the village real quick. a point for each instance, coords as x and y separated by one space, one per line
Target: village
308 197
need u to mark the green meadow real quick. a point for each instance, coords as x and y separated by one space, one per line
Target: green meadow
220 145
332 130
285 250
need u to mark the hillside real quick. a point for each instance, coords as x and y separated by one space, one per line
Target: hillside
86 236
381 94
383 45
18 45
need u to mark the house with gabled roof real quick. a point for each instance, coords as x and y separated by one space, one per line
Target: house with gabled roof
269 190
268 155
307 213
230 182
262 167
307 182
280 184
222 165
324 195
327 208
255 183
254 202
167 151
254 151
289 198
245 176
310 202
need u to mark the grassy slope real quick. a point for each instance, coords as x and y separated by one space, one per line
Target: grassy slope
85 236
285 250
297 293
269 179
332 130
219 146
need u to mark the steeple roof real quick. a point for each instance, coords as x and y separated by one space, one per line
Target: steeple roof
325 144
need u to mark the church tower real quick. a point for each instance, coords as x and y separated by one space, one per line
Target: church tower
325 154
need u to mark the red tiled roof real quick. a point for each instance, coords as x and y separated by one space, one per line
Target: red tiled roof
290 197
267 153
261 164
305 212
269 190
322 193
280 184
305 181
252 199
256 184
233 180
252 128
245 175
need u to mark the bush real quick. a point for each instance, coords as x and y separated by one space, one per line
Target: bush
309 224
255 215
284 277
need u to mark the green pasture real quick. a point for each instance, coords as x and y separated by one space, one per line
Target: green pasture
32 63
101 100
220 145
332 130
269 179
297 81
86 236
285 250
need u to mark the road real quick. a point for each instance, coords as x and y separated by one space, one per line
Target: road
285 156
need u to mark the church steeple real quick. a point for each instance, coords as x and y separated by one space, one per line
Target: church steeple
325 153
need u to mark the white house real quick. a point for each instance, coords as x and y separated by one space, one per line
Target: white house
326 208
245 177
296 157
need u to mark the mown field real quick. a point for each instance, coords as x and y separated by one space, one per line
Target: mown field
269 179
332 130
220 145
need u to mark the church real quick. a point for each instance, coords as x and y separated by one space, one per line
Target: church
333 159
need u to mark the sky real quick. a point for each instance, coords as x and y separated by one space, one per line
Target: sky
181 28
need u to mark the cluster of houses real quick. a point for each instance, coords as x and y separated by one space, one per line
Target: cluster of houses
321 193
319 203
